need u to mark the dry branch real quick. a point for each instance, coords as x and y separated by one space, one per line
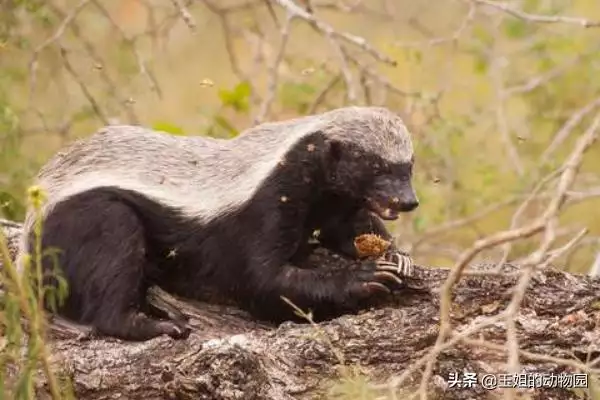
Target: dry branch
33 64
274 72
185 14
547 19
328 31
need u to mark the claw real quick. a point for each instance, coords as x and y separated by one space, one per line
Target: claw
403 264
377 286
387 264
407 265
387 268
389 276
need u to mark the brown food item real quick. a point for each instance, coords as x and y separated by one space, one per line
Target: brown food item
370 245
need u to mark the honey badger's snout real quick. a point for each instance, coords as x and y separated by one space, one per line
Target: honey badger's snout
406 202
390 196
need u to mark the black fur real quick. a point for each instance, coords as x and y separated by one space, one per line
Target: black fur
115 243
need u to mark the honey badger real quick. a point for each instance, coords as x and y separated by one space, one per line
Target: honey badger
128 208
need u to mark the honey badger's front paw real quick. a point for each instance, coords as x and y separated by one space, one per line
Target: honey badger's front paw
397 262
373 282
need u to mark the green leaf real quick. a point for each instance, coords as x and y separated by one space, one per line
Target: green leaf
168 127
222 128
10 206
531 6
414 55
237 98
488 175
419 224
480 64
483 35
296 96
243 89
516 28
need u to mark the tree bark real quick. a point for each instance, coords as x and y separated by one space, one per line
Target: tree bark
231 356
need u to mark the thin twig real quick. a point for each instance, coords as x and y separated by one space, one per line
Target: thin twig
533 194
99 66
548 19
567 128
88 95
512 310
273 72
185 14
497 78
33 64
328 30
323 94
345 70
446 39
130 41
532 356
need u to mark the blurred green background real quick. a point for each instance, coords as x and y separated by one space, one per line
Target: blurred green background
495 102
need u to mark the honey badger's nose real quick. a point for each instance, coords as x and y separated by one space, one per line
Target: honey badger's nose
410 205
404 205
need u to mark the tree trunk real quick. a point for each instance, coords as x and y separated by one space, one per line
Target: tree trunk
231 356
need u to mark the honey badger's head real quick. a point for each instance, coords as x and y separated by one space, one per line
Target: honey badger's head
371 160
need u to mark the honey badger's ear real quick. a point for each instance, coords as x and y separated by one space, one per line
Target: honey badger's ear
335 150
332 158
331 149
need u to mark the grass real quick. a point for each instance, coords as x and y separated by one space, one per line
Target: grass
25 357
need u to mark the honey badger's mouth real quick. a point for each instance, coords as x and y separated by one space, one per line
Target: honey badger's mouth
381 210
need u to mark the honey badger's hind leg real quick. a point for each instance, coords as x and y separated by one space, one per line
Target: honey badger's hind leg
104 256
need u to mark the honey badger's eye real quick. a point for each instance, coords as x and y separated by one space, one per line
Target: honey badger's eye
404 171
379 168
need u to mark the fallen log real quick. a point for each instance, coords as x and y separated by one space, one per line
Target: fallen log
231 356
